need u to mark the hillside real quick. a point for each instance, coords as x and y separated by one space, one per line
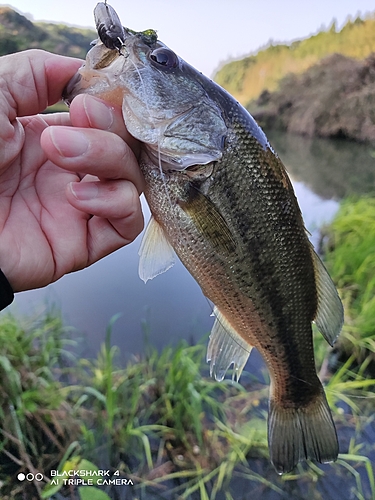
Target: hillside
247 78
18 33
334 98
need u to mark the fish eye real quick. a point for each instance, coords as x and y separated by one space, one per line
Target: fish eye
164 58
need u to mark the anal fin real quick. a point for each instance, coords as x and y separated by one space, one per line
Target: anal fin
156 254
226 347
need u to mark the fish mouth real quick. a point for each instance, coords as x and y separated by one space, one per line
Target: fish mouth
70 91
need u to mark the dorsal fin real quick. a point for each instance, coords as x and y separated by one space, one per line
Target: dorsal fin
156 254
330 313
226 347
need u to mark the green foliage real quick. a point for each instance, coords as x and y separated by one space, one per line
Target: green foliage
85 468
18 33
161 395
35 422
183 393
158 421
350 259
91 493
248 77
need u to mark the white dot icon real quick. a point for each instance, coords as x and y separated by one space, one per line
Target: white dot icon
21 477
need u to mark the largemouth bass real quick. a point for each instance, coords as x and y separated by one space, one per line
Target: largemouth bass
221 198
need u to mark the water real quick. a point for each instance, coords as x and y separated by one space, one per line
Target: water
172 306
332 169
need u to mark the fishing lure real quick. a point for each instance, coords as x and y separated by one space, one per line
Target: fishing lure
109 27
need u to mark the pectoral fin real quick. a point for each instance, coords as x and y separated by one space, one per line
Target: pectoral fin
226 347
156 253
209 221
330 313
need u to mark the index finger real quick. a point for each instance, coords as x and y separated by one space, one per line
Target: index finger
91 151
29 82
32 80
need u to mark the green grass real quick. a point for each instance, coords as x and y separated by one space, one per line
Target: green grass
35 421
350 258
160 422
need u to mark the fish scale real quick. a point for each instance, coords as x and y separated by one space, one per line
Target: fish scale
221 198
263 228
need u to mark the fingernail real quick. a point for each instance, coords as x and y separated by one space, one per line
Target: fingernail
84 190
68 141
98 113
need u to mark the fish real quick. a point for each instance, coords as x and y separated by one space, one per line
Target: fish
221 199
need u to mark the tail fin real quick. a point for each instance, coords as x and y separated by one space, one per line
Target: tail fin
296 434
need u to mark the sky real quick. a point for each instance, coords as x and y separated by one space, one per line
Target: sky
207 33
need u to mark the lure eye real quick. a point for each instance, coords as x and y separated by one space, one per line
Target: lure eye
164 58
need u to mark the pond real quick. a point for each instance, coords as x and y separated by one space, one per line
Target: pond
172 306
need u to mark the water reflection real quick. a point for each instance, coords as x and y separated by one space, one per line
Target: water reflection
172 305
330 168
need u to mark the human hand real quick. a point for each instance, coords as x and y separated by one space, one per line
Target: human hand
69 182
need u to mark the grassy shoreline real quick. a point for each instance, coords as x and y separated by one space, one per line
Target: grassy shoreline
167 429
